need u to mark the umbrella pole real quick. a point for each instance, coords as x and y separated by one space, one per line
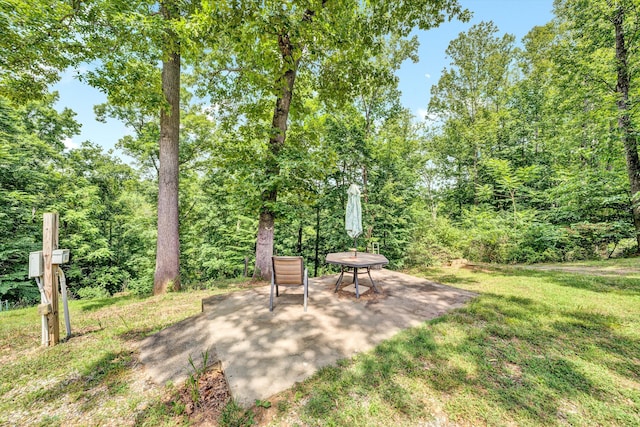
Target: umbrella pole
355 246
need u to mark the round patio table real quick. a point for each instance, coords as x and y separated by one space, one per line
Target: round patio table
354 261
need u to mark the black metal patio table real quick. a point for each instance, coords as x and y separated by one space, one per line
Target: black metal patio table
355 261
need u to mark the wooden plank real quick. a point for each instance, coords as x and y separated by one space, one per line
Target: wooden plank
49 244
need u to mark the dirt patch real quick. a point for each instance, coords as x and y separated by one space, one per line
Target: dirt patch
577 269
593 270
367 293
205 406
477 267
278 404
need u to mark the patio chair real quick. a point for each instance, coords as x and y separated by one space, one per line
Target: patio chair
288 271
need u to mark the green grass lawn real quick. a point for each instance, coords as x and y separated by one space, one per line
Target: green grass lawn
94 378
617 263
534 348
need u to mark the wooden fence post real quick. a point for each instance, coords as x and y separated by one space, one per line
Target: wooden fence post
49 244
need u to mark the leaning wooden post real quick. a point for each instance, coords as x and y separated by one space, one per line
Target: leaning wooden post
49 244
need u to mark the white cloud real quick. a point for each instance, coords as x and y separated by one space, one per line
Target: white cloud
69 144
428 75
423 114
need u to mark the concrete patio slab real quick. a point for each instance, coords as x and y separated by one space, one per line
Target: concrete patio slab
263 352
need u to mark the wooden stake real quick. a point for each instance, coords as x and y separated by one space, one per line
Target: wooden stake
49 244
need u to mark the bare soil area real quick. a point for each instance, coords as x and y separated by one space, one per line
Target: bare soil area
205 406
586 269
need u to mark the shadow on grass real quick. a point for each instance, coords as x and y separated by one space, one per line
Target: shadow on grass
138 334
96 384
508 363
619 285
579 280
441 276
98 303
598 331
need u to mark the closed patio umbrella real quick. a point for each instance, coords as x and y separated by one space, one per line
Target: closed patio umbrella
353 217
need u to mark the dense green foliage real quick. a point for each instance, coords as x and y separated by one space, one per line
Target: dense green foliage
105 218
520 159
528 161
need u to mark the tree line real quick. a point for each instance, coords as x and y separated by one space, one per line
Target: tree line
249 120
535 147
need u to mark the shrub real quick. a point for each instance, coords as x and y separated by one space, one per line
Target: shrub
539 242
628 248
92 292
489 235
435 241
589 239
141 286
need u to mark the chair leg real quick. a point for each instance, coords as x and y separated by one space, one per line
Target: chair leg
271 297
306 294
306 290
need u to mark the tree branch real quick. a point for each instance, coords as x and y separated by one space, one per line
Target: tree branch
601 80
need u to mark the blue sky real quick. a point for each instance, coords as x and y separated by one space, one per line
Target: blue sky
516 17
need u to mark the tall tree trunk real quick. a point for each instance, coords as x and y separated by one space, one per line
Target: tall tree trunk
264 247
264 244
167 273
624 120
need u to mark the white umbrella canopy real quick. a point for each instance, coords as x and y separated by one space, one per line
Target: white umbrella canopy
353 217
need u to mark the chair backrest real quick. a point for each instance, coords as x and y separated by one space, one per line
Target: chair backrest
288 270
